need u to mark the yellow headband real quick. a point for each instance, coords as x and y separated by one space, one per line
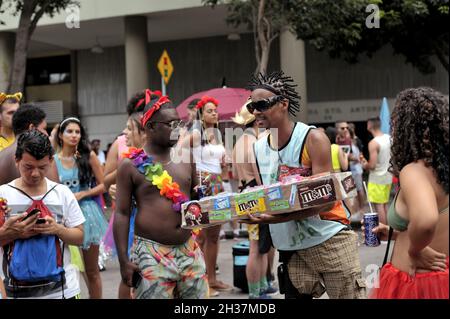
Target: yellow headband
4 97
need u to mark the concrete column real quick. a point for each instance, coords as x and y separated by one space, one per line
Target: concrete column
136 55
6 58
293 63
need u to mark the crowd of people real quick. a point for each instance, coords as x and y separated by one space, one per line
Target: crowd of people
53 187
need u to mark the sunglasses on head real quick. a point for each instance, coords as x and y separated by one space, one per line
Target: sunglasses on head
264 105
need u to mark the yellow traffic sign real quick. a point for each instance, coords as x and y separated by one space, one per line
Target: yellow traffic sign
165 66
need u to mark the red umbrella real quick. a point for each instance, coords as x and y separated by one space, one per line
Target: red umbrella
230 101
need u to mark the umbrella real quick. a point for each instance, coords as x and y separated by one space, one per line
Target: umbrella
230 101
385 117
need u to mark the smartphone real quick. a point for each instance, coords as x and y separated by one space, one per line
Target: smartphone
40 221
33 212
136 279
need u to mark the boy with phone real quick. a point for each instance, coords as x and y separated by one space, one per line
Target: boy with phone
60 217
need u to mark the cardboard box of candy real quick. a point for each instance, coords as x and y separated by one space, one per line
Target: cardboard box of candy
292 194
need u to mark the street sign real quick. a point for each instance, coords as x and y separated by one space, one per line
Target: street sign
165 67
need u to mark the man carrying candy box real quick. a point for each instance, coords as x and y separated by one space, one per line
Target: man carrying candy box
318 250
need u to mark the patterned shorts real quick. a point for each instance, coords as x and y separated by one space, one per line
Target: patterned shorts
168 271
332 266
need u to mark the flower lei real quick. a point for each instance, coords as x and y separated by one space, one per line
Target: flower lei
155 174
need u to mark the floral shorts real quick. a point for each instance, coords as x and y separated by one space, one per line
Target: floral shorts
170 271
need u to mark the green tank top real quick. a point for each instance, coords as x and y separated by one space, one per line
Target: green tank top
396 221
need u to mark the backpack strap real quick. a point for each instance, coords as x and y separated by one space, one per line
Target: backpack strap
23 192
391 231
49 192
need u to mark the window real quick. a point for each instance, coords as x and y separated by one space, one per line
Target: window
48 70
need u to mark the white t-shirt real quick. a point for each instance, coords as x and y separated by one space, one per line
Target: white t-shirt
208 158
101 157
64 206
380 174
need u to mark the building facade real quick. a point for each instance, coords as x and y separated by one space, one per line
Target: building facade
90 61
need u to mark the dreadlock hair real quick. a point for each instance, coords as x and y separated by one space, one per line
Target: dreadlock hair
280 84
34 143
132 106
85 173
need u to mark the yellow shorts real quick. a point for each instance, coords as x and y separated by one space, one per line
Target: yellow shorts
378 193
253 232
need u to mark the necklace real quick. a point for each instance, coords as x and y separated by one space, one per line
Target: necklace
66 158
154 173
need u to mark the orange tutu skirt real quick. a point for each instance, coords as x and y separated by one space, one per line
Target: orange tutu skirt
397 284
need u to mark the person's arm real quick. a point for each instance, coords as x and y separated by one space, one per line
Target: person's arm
2 290
373 157
319 149
53 139
420 200
252 159
69 235
52 173
111 164
195 178
15 228
343 159
122 219
71 231
190 140
98 174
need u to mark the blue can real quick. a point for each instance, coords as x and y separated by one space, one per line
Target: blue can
201 190
370 222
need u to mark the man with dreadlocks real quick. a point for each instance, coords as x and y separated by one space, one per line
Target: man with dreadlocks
318 250
166 261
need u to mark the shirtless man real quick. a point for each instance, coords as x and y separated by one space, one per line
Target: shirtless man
165 258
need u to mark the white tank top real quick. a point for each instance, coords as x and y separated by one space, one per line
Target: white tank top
208 158
380 174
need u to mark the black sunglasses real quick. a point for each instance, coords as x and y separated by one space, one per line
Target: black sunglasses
264 105
173 124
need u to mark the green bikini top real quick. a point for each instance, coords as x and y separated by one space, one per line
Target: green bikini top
396 221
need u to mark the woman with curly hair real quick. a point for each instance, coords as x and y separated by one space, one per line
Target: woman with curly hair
419 213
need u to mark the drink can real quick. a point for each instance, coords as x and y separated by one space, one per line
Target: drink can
370 222
201 190
3 204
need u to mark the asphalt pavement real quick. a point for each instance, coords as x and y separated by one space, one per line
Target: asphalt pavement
371 258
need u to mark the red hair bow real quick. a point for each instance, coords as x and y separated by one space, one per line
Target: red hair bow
148 96
204 100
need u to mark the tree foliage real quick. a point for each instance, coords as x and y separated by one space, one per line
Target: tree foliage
30 12
416 29
266 18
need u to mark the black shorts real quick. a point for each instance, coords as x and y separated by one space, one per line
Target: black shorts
265 240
